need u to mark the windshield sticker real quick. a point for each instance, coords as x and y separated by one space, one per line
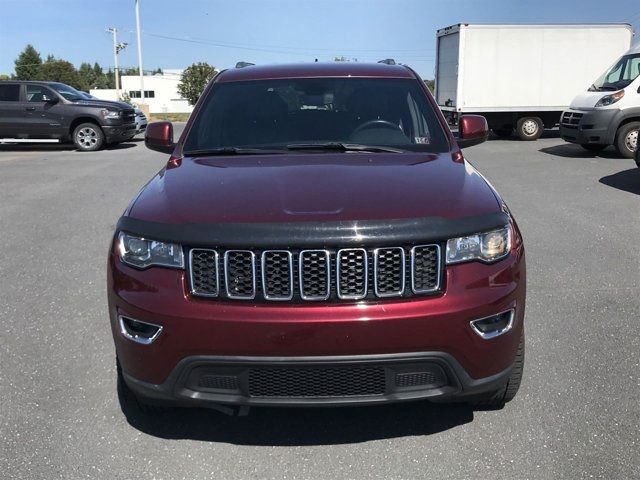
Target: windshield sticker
421 140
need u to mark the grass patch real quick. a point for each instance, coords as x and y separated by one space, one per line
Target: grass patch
170 117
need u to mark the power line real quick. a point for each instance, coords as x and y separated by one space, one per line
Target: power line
282 50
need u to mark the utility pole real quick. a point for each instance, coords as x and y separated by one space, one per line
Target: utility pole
139 51
116 50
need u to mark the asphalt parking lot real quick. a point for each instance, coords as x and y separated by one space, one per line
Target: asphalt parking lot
577 414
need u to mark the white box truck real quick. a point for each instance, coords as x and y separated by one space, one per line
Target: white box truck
521 77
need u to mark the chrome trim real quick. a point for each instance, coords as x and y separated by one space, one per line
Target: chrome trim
496 333
135 338
366 274
191 287
327 257
264 279
375 273
438 263
253 275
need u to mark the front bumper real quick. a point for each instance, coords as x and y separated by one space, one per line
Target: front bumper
118 133
317 381
421 336
588 126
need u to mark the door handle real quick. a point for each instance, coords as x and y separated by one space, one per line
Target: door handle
30 109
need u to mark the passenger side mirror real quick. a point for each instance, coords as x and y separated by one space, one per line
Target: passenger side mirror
50 99
159 137
472 130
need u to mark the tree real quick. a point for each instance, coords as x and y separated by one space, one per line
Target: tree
56 70
110 78
101 79
194 79
28 64
87 76
4 77
430 84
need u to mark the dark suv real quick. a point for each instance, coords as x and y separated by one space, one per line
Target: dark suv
317 238
55 111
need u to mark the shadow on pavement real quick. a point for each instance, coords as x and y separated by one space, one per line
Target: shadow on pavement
626 180
299 426
570 150
514 138
61 147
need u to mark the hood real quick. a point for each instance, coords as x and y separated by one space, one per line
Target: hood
103 104
587 100
311 187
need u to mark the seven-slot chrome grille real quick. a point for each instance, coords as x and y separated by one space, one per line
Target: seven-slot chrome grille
315 274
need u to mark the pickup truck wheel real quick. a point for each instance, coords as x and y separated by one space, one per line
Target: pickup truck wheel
88 137
529 128
593 147
496 400
627 139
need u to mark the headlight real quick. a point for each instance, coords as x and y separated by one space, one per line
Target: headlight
111 113
486 247
142 252
610 99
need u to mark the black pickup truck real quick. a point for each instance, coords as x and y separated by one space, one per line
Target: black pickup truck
31 110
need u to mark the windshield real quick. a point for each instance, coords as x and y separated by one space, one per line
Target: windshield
280 113
625 71
68 92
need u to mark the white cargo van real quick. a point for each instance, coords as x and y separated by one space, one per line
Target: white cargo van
608 113
521 77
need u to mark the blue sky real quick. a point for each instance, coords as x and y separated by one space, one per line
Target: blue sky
222 32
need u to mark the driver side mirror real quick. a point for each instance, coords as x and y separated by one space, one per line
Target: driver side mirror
472 130
50 99
159 137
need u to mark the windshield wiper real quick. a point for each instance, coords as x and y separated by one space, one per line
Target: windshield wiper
204 152
342 147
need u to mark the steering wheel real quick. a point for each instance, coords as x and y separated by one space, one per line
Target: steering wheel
376 122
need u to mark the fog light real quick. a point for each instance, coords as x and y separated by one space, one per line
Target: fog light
491 327
137 331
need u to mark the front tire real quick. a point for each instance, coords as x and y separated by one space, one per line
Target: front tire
627 139
529 128
496 400
88 137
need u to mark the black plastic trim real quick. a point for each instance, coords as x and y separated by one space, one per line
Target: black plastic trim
314 234
460 385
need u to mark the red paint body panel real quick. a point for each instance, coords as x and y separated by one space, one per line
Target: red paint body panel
309 70
314 187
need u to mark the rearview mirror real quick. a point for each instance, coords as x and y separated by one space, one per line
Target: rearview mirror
472 130
159 137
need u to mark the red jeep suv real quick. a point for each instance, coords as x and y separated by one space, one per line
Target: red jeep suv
317 238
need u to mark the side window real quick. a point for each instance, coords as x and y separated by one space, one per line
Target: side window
9 93
37 93
614 76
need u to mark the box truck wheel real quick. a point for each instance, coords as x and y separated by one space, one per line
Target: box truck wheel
529 128
627 139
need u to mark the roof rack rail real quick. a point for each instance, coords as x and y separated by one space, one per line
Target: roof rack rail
388 61
244 64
